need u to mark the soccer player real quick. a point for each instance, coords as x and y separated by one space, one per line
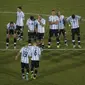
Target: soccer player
40 26
53 22
61 26
20 23
31 29
75 28
35 53
25 54
11 30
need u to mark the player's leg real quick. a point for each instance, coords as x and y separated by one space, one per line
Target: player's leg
21 32
49 39
39 39
36 69
59 33
29 38
73 37
7 39
27 71
23 70
57 38
78 34
32 68
18 32
35 36
42 40
15 40
64 35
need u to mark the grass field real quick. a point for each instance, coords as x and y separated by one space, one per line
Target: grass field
57 67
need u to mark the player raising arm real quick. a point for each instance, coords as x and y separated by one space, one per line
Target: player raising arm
25 53
75 28
11 30
35 53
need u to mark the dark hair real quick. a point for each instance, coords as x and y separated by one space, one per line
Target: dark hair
11 22
20 7
73 16
53 9
32 17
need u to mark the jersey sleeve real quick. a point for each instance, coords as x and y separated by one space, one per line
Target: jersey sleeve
49 19
39 51
8 26
44 21
14 26
23 15
68 19
79 17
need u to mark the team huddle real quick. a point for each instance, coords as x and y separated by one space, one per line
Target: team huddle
36 28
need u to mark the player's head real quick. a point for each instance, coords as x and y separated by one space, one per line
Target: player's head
19 8
11 23
40 17
58 13
53 12
32 17
73 16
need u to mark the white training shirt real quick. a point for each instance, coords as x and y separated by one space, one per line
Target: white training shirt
41 28
74 22
25 53
35 53
61 22
11 27
20 18
53 19
31 25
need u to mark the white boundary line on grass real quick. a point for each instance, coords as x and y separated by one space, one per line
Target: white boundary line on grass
46 49
7 12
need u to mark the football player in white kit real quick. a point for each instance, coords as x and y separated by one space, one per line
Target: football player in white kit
75 28
40 26
53 31
20 23
31 29
35 58
11 30
61 26
25 54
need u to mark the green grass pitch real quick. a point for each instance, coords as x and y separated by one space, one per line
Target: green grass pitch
57 67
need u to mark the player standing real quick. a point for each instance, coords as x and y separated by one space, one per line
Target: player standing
20 23
35 53
40 26
25 54
53 22
61 26
31 29
75 28
11 30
